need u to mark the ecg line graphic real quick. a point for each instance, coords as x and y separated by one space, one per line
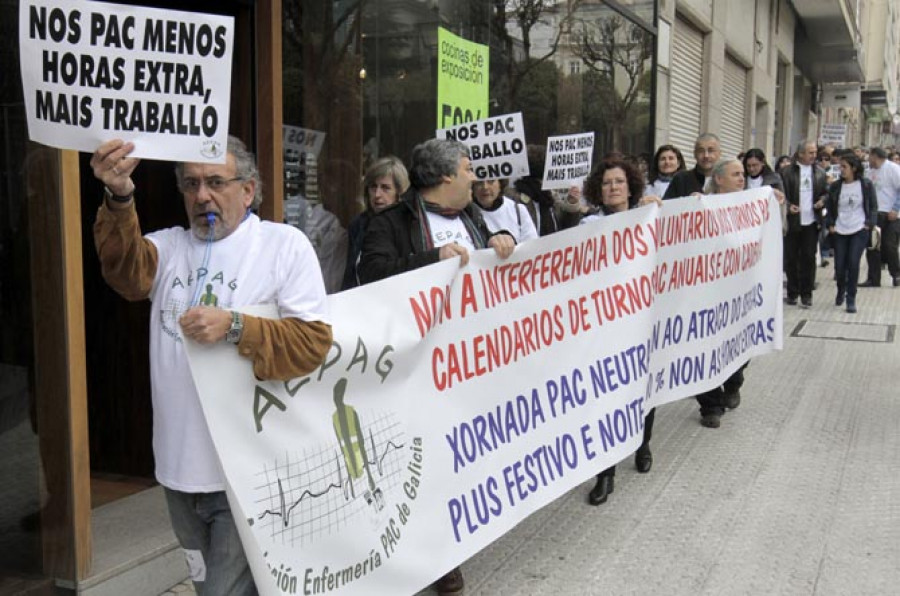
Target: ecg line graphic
312 494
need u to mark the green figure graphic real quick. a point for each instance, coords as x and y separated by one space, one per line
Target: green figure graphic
350 437
209 299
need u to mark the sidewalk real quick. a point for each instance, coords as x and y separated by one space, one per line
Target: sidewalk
796 493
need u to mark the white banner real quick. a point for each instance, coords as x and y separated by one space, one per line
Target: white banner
496 145
93 71
456 402
568 160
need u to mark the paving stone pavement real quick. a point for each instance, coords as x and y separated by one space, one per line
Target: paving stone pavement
796 493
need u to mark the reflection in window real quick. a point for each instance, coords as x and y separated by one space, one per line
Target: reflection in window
573 67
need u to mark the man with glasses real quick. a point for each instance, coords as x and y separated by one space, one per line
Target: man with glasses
687 182
197 280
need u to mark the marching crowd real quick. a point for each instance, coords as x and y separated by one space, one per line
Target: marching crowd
432 210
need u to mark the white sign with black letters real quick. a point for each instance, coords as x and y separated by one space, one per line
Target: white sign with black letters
568 160
496 145
93 71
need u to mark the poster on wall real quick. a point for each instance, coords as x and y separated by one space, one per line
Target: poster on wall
568 160
93 71
463 75
455 402
496 145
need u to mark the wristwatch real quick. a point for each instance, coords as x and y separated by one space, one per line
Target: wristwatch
234 333
109 196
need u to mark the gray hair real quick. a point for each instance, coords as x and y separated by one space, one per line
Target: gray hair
244 168
706 136
804 143
386 166
712 187
435 159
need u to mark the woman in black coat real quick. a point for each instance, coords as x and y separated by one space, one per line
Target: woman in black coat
851 213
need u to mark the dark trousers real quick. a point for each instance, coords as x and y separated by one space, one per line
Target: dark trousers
645 444
713 401
800 260
890 238
848 252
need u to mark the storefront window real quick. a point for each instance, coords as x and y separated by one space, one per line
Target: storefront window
364 74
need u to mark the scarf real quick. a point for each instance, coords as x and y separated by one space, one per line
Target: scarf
423 207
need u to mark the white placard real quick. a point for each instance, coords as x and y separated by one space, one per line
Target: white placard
568 160
93 71
497 145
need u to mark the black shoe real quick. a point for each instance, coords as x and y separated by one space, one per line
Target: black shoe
792 301
450 584
851 306
868 284
601 491
806 301
732 399
643 460
839 299
824 263
896 282
711 420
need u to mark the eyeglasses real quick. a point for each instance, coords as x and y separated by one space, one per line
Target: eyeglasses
215 184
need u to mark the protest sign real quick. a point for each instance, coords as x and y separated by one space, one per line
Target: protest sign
834 134
463 74
496 145
93 71
299 140
568 160
457 401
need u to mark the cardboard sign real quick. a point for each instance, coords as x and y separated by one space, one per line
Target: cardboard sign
463 75
568 160
497 145
93 71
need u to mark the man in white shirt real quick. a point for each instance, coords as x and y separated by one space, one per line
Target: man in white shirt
805 190
197 279
885 175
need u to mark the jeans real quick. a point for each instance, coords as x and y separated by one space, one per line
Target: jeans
800 260
205 528
890 237
848 250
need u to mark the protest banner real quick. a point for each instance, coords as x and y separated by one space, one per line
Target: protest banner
496 145
457 401
568 160
299 140
462 80
93 71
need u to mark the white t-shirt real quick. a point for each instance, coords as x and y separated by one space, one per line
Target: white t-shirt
754 182
259 263
887 184
807 215
851 215
512 217
446 230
